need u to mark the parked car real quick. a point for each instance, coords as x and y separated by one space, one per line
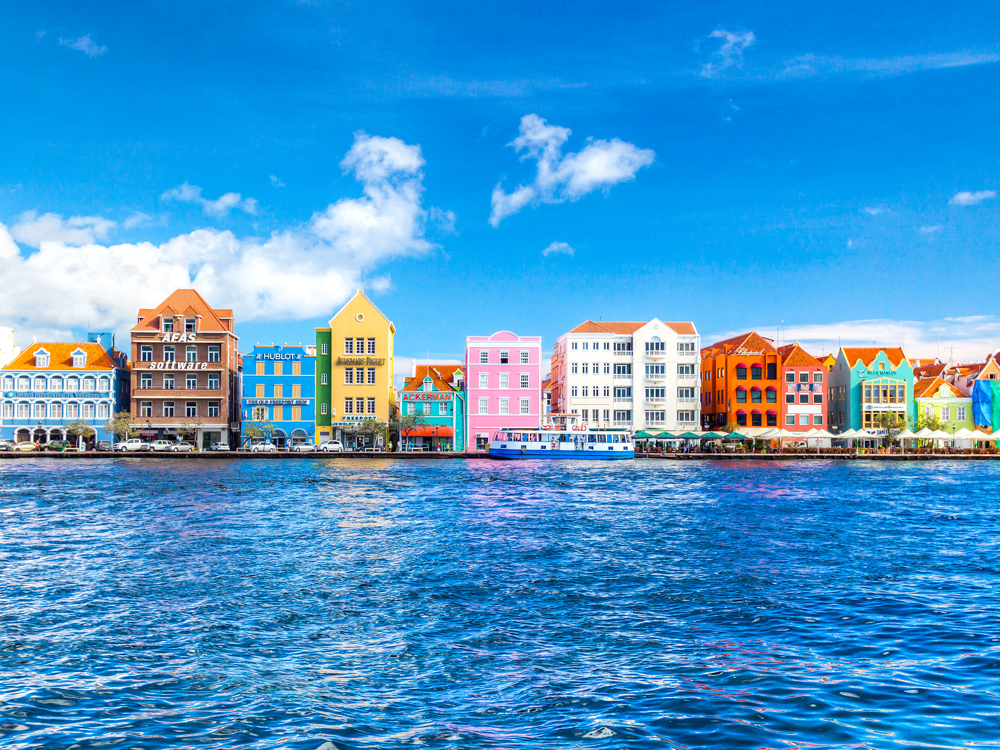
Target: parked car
182 447
263 448
331 446
26 446
58 446
161 445
133 444
303 448
105 445
7 445
219 447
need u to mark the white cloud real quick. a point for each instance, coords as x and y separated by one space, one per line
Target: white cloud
276 182
299 272
84 44
933 229
32 229
221 206
600 164
138 219
445 220
729 53
972 199
971 338
559 248
874 210
805 66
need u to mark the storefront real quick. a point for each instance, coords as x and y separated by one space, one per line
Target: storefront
432 404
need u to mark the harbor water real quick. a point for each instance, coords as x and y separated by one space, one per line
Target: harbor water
150 603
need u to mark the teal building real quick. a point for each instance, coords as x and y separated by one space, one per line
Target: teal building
436 394
865 382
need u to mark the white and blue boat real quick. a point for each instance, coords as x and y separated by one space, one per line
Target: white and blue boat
562 436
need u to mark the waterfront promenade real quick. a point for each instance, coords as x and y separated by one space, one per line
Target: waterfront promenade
443 456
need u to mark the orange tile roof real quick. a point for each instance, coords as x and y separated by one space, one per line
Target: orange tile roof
752 341
440 377
867 353
627 328
932 370
61 357
928 388
793 355
181 301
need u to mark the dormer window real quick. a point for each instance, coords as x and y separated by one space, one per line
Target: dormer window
41 358
79 358
427 386
189 325
168 325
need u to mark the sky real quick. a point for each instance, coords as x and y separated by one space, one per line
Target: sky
818 172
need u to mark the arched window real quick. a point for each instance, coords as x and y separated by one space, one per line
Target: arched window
104 385
39 383
756 372
56 384
741 371
655 345
772 395
741 394
23 410
56 410
73 384
8 383
23 383
39 411
755 395
88 384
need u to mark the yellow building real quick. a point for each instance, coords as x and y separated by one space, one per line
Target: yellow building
354 373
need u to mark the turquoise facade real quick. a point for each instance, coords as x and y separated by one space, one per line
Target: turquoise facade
864 383
442 409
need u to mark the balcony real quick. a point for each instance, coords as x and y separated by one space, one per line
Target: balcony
657 399
623 399
623 353
686 399
656 353
622 423
656 423
622 377
686 376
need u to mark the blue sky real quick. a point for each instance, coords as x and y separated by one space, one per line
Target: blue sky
828 167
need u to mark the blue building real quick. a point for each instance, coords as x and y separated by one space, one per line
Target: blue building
51 385
279 393
436 394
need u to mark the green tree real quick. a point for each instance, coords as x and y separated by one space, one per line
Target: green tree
121 425
81 431
731 427
931 423
189 430
374 428
892 422
257 430
405 424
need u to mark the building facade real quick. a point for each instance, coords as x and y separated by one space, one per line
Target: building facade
803 387
49 386
8 352
354 373
741 379
436 394
503 383
186 368
279 394
943 402
626 374
866 382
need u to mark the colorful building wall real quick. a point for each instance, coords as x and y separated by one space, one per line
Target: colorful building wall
803 390
942 401
279 393
504 385
436 394
868 381
741 381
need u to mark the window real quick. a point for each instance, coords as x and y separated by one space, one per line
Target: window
685 347
756 420
756 371
573 391
524 380
73 411
817 419
607 415
772 372
573 346
214 381
359 345
145 380
168 354
685 416
623 392
278 369
168 408
741 395
279 390
371 346
623 371
655 346
349 376
191 382
607 368
484 380
584 368
323 349
504 380
586 391
685 371
168 382
789 398
88 411
214 353
39 411
573 368
945 413
190 408
803 377
191 354
960 413
41 358
8 410
789 418
484 356
789 377
258 413
623 346
168 325
656 371
755 395
484 406
259 391
657 393
623 415
656 416
586 415
524 358
296 369
684 393
324 379
189 325
324 409
772 396
504 358
146 353
23 411
348 346
803 398
371 402
585 345
371 376
741 372
817 398
817 377
505 406
348 405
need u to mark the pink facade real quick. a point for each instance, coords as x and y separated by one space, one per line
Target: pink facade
503 377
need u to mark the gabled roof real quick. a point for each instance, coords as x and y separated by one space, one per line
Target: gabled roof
929 387
186 300
865 354
61 357
751 341
793 355
623 328
933 370
440 376
366 298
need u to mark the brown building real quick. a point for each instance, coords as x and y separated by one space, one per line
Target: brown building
186 372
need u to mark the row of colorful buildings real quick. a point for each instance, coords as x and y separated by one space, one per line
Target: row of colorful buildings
185 378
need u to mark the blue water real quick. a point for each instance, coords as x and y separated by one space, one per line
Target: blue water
387 604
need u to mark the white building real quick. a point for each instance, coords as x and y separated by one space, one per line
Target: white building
635 375
8 352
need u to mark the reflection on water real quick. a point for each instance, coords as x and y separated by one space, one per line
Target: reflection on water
380 603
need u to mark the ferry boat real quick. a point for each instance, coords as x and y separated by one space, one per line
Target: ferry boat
562 436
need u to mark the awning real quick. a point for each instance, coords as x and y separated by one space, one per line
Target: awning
429 430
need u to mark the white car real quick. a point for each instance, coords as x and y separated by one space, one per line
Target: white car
263 448
132 444
219 447
7 445
161 445
181 447
303 448
331 446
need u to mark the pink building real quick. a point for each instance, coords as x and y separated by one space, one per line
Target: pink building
503 377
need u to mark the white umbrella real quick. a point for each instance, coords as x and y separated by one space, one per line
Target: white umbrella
977 435
905 435
809 433
863 434
924 434
820 434
940 435
962 434
849 435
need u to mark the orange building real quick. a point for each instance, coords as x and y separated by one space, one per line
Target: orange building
740 383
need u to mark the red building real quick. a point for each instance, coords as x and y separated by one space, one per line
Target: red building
803 389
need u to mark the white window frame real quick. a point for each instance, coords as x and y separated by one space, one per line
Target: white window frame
504 406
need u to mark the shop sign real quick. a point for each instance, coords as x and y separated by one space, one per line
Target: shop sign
741 352
279 355
356 361
427 396
59 394
170 337
176 365
276 401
